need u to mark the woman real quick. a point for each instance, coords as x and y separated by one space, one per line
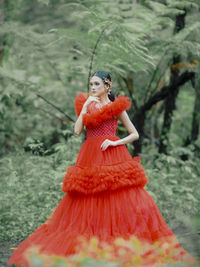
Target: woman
105 196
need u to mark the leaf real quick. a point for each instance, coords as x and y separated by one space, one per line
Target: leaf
182 4
191 197
45 2
183 34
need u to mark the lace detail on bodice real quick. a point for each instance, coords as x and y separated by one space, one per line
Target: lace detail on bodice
106 128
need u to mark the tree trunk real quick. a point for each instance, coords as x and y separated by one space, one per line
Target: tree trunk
140 114
139 122
195 120
2 18
196 115
170 106
170 102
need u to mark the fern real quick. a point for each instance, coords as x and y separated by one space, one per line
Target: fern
49 53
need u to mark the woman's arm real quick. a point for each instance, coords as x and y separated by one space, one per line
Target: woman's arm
78 127
133 134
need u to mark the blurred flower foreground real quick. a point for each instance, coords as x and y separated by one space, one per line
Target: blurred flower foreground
122 252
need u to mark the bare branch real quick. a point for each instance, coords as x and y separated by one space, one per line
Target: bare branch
182 79
60 110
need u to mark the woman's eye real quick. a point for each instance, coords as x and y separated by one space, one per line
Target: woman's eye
96 83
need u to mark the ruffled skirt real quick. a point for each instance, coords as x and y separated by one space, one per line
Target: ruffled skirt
104 198
97 171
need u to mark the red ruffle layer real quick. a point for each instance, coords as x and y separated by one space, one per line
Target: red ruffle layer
95 116
96 170
88 180
79 102
107 215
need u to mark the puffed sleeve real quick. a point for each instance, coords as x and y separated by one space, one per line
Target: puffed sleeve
79 102
94 118
120 104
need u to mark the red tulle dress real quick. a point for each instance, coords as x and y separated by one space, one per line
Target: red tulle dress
105 195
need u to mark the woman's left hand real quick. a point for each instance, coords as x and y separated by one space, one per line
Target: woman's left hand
106 143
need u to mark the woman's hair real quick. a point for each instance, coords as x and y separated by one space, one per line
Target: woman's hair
105 75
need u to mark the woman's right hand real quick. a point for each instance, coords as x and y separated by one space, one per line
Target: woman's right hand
91 99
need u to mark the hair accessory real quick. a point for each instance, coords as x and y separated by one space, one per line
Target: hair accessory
106 80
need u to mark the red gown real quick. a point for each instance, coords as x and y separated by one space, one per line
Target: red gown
105 195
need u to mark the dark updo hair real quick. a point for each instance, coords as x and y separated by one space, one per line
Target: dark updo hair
105 75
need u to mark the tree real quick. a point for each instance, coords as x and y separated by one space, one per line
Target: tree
2 17
52 48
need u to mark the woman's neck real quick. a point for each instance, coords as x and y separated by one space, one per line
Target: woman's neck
104 99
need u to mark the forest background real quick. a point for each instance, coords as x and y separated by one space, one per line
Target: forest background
48 49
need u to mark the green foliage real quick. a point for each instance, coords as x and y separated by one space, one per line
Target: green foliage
46 2
47 51
31 188
182 4
173 183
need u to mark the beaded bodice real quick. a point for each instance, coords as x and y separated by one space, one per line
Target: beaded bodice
106 128
101 121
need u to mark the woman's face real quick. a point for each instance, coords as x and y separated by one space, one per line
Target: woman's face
97 86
